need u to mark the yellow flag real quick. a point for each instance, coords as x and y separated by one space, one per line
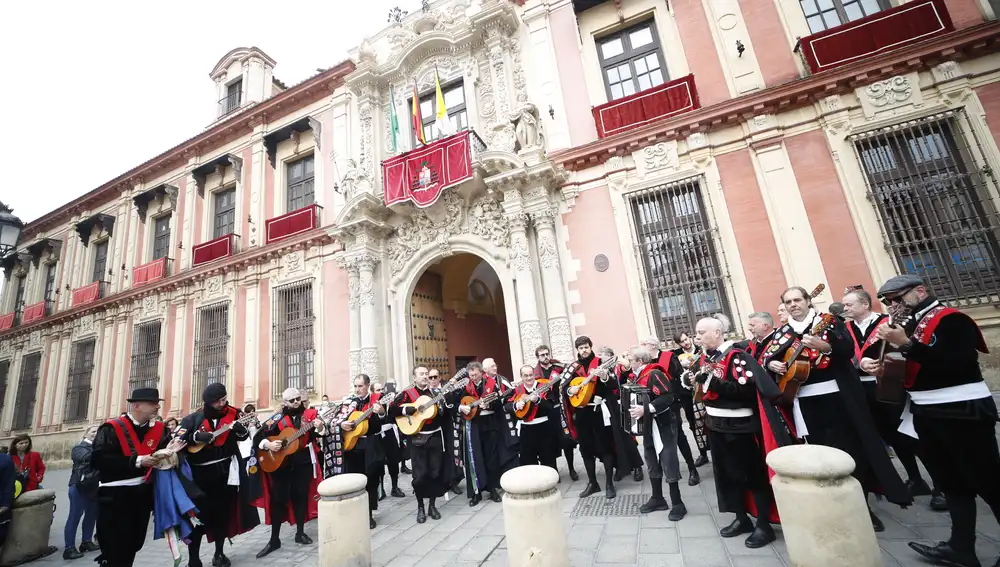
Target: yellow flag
442 124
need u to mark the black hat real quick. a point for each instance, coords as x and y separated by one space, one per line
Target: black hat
145 395
898 284
213 393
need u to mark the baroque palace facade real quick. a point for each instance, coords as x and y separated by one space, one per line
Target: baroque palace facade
620 168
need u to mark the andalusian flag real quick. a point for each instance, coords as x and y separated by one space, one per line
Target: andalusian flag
442 125
418 121
393 121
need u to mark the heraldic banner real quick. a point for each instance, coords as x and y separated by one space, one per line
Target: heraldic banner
421 174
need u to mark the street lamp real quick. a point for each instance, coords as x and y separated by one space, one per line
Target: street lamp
10 230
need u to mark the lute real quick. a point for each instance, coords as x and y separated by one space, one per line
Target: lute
195 447
270 461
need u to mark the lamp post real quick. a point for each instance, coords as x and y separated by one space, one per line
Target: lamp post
10 230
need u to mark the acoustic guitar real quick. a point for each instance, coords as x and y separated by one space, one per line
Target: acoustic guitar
587 384
540 391
360 421
889 386
195 447
427 407
270 461
797 368
475 403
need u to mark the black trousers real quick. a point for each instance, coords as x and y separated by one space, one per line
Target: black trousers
427 452
354 462
964 461
218 502
886 417
738 466
290 483
539 443
492 440
122 521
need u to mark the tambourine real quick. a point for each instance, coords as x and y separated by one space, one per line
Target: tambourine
165 459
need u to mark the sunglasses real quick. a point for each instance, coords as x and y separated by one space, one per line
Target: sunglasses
896 298
294 400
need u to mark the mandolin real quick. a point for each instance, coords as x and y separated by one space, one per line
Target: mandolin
427 407
360 421
476 403
526 398
270 461
587 385
195 447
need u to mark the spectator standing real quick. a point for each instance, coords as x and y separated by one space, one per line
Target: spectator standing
28 465
83 481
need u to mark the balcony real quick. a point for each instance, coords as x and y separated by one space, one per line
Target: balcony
6 321
421 174
89 293
34 312
206 252
229 104
150 271
290 224
669 99
884 31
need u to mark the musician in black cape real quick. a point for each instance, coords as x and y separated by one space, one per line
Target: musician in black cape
455 461
830 407
392 446
224 506
692 413
367 457
550 368
539 433
951 411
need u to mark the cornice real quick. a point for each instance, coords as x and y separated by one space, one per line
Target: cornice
956 46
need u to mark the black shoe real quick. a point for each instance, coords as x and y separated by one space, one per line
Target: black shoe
194 562
694 479
762 535
303 539
371 523
738 527
654 504
876 523
702 460
405 469
495 496
943 554
432 511
678 512
89 546
573 476
610 492
421 515
591 488
476 499
637 475
457 490
72 553
938 502
397 493
620 475
220 560
918 487
271 546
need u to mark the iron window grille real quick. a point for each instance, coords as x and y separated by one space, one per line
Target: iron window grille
825 14
4 379
100 261
225 213
294 347
231 102
301 176
27 386
631 60
931 185
80 375
454 102
50 287
161 237
211 348
19 299
685 276
145 368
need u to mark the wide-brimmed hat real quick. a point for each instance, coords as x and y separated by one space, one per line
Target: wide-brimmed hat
145 395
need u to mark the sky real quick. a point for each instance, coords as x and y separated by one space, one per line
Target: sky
93 89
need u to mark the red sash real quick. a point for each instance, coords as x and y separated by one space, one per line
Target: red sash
924 333
491 385
718 372
307 416
584 372
643 379
372 399
411 395
128 439
666 356
226 419
554 371
859 349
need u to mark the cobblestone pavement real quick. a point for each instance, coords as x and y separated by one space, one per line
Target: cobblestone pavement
475 536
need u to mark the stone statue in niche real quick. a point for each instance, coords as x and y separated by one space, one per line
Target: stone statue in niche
527 128
349 183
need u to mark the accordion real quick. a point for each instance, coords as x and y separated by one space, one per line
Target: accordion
633 395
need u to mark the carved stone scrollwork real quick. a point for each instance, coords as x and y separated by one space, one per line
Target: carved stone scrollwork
890 91
660 156
35 339
487 220
366 288
86 324
531 337
369 362
548 254
6 348
519 257
213 286
355 362
237 163
560 337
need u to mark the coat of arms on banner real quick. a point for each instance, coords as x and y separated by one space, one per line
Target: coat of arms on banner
427 180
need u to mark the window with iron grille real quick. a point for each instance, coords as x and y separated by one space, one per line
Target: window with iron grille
675 245
293 338
454 102
4 378
50 287
825 14
145 370
161 237
300 183
930 185
225 213
100 261
211 347
19 298
80 374
27 386
631 60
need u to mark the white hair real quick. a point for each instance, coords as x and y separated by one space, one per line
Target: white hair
488 362
715 323
642 354
651 340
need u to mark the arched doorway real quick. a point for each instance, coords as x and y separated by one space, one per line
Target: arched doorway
457 314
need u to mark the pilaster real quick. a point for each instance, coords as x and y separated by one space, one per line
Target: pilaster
557 320
519 260
180 364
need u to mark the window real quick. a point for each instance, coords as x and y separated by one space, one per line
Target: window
78 387
932 199
100 261
454 102
211 348
675 244
27 384
232 100
631 61
145 372
161 237
19 299
4 371
225 213
300 183
293 338
825 14
50 287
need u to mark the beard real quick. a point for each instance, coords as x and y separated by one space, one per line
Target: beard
294 411
212 413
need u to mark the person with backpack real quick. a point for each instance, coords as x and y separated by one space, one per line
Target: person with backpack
83 481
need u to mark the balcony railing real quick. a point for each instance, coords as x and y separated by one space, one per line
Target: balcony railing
89 293
229 104
884 31
221 247
663 101
421 174
6 321
151 271
33 312
290 224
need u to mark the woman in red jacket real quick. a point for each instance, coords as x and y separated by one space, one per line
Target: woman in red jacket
28 465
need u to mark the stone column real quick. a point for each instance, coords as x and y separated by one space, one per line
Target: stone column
354 288
251 356
366 308
531 500
519 260
344 536
823 512
559 332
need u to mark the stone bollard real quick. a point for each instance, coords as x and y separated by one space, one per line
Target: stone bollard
344 536
531 500
824 516
31 522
